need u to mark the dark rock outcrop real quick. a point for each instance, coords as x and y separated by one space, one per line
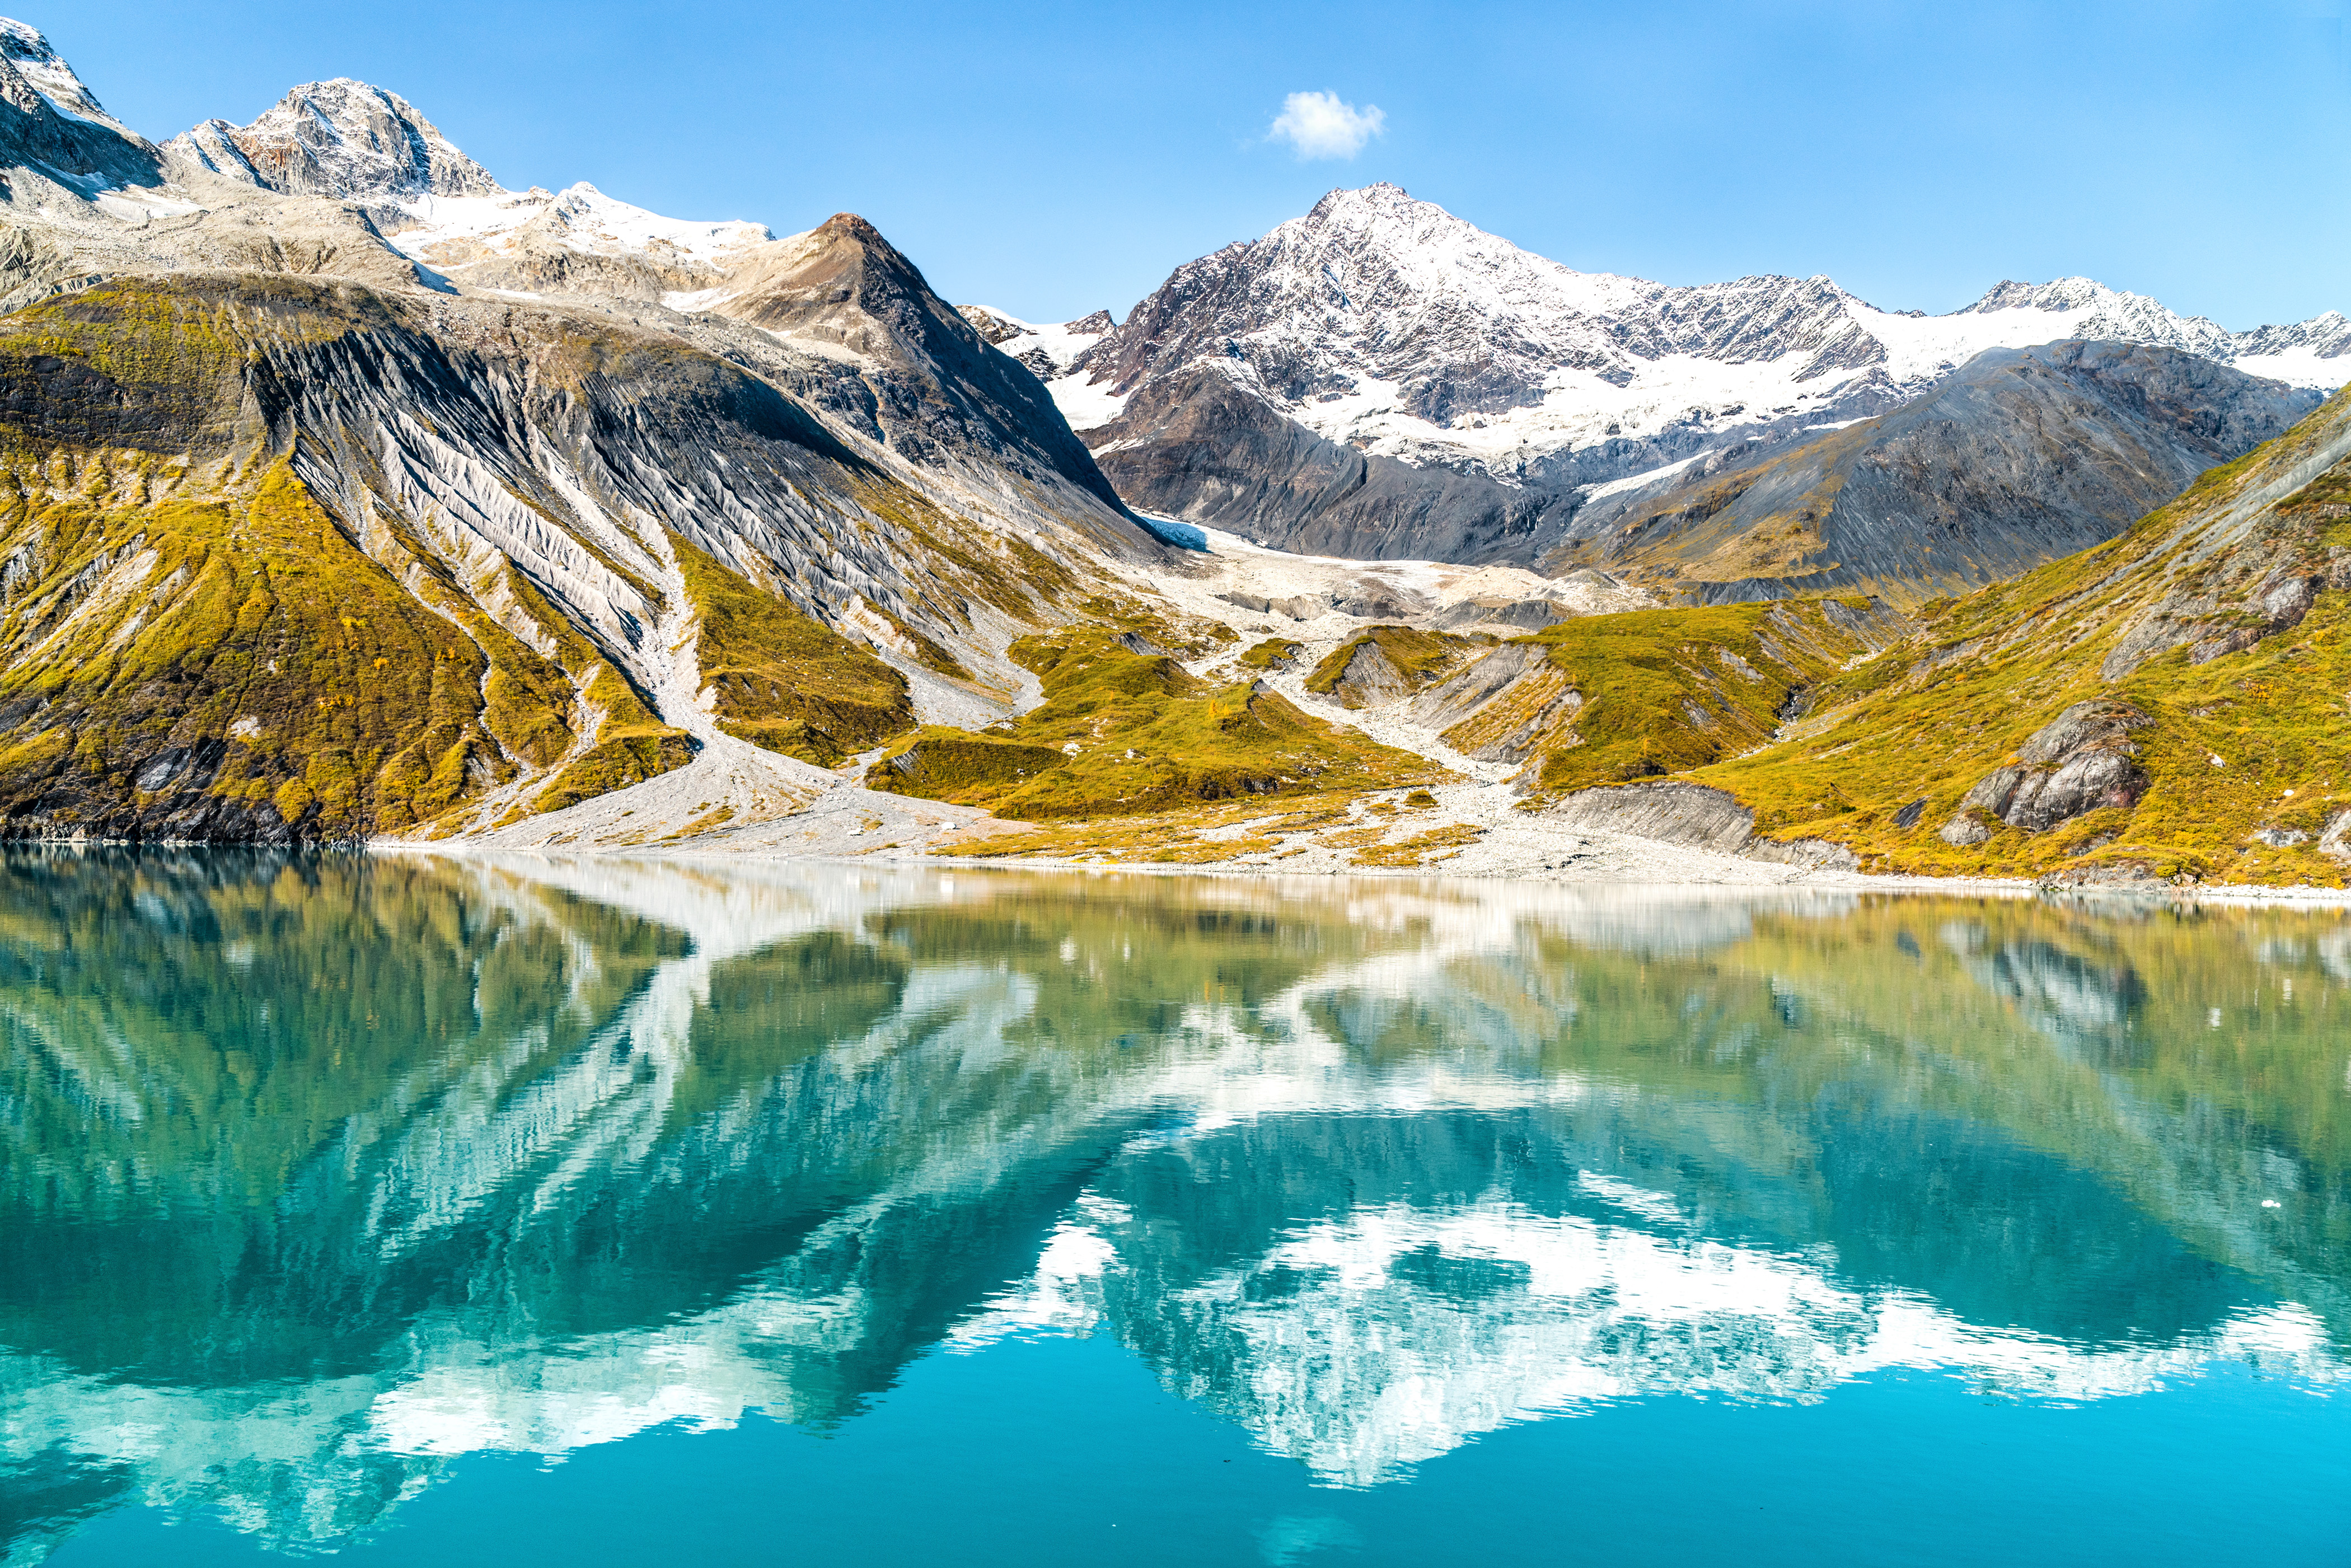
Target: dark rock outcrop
1199 446
2080 761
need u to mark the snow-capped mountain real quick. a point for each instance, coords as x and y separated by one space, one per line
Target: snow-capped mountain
348 140
1388 328
1052 352
43 70
1390 324
339 138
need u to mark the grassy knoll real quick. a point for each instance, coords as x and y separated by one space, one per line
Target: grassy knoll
1668 690
1123 731
1400 659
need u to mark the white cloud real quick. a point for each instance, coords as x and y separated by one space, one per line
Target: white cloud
1319 125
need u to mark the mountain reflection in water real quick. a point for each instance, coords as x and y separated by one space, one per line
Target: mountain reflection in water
321 1172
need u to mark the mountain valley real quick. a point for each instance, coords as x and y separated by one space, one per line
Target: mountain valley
347 495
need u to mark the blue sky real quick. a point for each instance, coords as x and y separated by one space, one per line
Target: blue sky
1052 158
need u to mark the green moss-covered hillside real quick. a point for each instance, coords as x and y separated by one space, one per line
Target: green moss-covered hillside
193 643
781 679
1668 690
226 658
2175 704
1124 731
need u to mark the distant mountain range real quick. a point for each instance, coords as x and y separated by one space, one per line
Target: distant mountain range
1380 379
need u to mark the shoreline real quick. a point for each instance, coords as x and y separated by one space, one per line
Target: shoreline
1775 877
1623 861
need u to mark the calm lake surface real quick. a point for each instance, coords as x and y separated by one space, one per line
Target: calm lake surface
521 1212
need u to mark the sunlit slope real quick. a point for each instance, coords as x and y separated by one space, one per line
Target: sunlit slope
295 560
1663 690
1125 730
2169 705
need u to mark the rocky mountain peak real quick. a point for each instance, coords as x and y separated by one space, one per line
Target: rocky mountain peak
842 286
2101 312
850 228
842 281
1380 195
2058 294
2326 336
46 71
52 124
342 138
993 327
1253 387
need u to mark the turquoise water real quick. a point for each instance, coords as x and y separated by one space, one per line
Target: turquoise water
541 1212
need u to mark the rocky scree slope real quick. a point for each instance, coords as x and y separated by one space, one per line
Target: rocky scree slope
2168 706
299 540
1380 379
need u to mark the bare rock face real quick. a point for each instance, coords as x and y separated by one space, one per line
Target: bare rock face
1964 833
939 390
1502 616
1688 814
340 138
2254 597
2082 760
1695 815
2082 783
1458 696
2116 874
991 327
1370 679
2101 726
